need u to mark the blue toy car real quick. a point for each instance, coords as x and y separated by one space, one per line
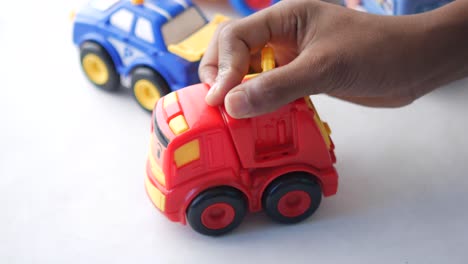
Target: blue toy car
153 46
396 7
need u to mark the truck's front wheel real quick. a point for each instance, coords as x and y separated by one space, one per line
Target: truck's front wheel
292 197
217 211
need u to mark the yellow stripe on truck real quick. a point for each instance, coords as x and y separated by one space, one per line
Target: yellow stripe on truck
155 195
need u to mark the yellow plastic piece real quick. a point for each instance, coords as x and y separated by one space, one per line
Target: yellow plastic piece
268 59
250 76
155 195
146 93
327 128
193 47
95 69
170 99
178 125
323 127
267 62
187 153
138 2
72 15
155 168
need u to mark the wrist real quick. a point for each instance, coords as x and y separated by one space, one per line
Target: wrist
443 38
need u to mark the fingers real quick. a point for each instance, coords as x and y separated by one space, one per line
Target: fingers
235 44
270 90
208 69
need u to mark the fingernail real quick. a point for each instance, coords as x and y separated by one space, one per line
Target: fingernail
212 90
238 104
209 81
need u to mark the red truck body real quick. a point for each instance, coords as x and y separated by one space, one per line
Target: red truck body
196 147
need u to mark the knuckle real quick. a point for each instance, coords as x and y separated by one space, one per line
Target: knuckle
206 72
227 65
223 24
227 32
223 68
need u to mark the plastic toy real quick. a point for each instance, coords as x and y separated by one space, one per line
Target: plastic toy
153 46
247 7
396 7
208 169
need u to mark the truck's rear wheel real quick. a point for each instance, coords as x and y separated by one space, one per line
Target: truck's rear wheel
148 86
292 197
98 66
217 211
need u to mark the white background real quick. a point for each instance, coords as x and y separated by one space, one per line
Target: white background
72 168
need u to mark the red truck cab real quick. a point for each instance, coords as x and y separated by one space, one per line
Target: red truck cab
209 169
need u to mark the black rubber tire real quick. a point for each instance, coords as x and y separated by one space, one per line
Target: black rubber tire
144 73
113 82
295 181
209 197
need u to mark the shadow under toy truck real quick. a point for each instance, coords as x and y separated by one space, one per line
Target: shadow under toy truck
208 169
153 46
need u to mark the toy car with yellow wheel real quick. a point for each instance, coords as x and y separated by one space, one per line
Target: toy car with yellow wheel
152 46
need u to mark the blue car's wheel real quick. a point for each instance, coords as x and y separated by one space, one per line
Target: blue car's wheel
98 66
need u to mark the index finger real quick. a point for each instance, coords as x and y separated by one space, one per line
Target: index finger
208 69
236 41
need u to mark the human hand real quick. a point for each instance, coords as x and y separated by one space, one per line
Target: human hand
323 48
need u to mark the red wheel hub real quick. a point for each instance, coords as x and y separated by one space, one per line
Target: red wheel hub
258 4
294 203
218 216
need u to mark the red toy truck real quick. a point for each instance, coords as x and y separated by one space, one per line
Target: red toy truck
209 169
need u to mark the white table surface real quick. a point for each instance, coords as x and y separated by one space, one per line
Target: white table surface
72 168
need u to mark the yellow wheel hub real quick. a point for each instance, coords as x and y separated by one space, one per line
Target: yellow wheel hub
146 93
96 69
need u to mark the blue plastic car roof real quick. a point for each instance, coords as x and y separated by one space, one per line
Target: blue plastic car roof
163 10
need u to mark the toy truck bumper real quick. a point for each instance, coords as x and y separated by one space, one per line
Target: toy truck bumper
329 182
159 195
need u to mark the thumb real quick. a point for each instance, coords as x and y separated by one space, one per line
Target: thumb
272 89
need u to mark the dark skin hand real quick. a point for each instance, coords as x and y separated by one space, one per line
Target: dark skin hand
378 61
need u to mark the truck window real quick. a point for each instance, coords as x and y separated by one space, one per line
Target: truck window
122 20
187 153
182 26
144 30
